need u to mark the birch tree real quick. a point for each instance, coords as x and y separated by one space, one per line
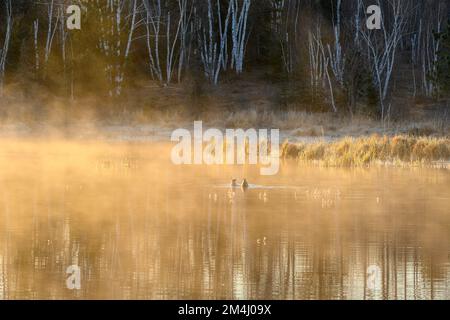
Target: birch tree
167 26
36 45
6 41
335 53
285 24
207 42
212 38
51 29
54 18
153 15
186 8
425 45
320 62
239 32
63 34
382 47
118 23
357 21
316 61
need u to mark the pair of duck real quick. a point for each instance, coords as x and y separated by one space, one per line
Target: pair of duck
244 185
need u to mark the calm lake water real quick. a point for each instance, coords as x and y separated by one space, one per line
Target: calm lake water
140 228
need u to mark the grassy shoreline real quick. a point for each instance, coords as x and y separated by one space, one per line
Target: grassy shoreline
373 150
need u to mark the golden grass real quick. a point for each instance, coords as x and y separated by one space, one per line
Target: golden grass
353 152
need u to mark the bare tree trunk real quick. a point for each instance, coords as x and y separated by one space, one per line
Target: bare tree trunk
121 67
63 35
153 18
336 56
212 38
223 32
36 45
117 23
429 46
5 49
285 25
382 47
184 28
158 14
51 30
316 61
239 33
359 7
325 62
172 46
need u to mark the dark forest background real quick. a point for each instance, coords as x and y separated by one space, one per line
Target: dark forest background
319 55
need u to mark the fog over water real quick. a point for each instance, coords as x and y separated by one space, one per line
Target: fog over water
141 228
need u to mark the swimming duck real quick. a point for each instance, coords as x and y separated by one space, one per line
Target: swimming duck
244 184
234 183
263 241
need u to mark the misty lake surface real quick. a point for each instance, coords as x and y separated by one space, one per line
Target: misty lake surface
139 227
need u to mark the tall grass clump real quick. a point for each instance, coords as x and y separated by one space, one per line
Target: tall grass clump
365 151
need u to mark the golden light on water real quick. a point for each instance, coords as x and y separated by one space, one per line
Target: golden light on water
139 227
125 126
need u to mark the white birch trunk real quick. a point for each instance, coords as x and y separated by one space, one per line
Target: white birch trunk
7 39
51 30
117 22
156 15
212 38
382 49
239 33
184 28
336 56
316 61
285 25
36 45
